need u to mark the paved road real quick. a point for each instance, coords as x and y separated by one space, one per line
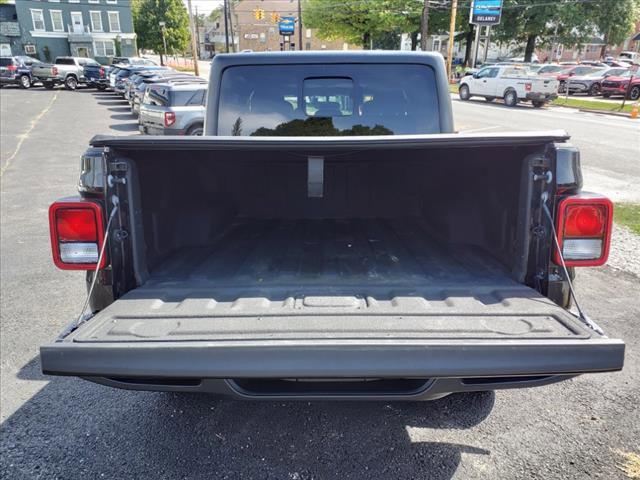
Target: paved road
609 146
69 429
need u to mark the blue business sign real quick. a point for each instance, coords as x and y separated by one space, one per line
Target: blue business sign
287 25
486 12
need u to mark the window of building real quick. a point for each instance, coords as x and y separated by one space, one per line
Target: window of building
94 1
74 1
104 48
114 21
56 20
308 33
38 20
55 1
112 2
96 20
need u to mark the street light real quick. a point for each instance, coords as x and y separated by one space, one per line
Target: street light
164 41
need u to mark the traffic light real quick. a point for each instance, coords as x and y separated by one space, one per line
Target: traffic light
258 14
275 17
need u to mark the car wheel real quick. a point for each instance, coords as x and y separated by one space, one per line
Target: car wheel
71 83
510 98
195 130
634 94
489 99
101 87
48 85
537 103
594 90
464 92
606 95
25 81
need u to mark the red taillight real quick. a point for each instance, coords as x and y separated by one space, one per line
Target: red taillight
584 230
527 87
76 234
76 225
12 68
169 119
101 72
584 220
54 71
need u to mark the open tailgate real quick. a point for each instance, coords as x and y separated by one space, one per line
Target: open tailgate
155 332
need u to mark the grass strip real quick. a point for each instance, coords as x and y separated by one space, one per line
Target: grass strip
628 214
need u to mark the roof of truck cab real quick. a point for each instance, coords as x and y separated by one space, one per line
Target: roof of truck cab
361 56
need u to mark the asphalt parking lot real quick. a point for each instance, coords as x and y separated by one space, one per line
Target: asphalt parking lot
55 427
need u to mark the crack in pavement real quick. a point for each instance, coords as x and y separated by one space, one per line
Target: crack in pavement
26 134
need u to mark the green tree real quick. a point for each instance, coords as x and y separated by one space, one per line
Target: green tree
357 22
535 23
615 21
148 14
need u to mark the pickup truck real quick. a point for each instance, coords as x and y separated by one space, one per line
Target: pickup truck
96 75
330 236
67 71
509 82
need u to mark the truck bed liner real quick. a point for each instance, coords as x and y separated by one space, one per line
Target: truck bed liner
356 252
313 279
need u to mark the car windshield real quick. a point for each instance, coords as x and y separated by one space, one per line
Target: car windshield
310 100
596 73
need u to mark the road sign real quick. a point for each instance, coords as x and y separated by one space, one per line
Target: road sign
486 12
287 25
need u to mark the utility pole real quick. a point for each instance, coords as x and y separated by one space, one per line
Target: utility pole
164 41
299 26
233 36
198 31
226 25
424 26
194 46
476 44
452 32
487 39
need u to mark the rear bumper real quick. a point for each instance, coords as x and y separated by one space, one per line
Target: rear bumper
354 389
150 130
543 97
10 80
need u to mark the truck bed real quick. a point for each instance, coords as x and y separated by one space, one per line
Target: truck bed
310 253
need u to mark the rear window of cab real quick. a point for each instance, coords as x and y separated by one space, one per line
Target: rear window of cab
328 100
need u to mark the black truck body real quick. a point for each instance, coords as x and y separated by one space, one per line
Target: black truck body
372 265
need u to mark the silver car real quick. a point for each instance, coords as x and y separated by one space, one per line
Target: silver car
173 109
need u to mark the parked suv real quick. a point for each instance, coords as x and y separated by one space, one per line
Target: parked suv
17 71
173 109
138 89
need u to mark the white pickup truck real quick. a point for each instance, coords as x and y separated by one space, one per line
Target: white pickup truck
512 83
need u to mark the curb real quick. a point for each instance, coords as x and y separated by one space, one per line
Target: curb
594 110
604 112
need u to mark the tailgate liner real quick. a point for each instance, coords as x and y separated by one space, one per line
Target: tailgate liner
461 334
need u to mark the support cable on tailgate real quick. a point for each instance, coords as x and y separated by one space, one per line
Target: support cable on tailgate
82 317
585 319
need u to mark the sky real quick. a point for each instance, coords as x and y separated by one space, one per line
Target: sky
204 6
